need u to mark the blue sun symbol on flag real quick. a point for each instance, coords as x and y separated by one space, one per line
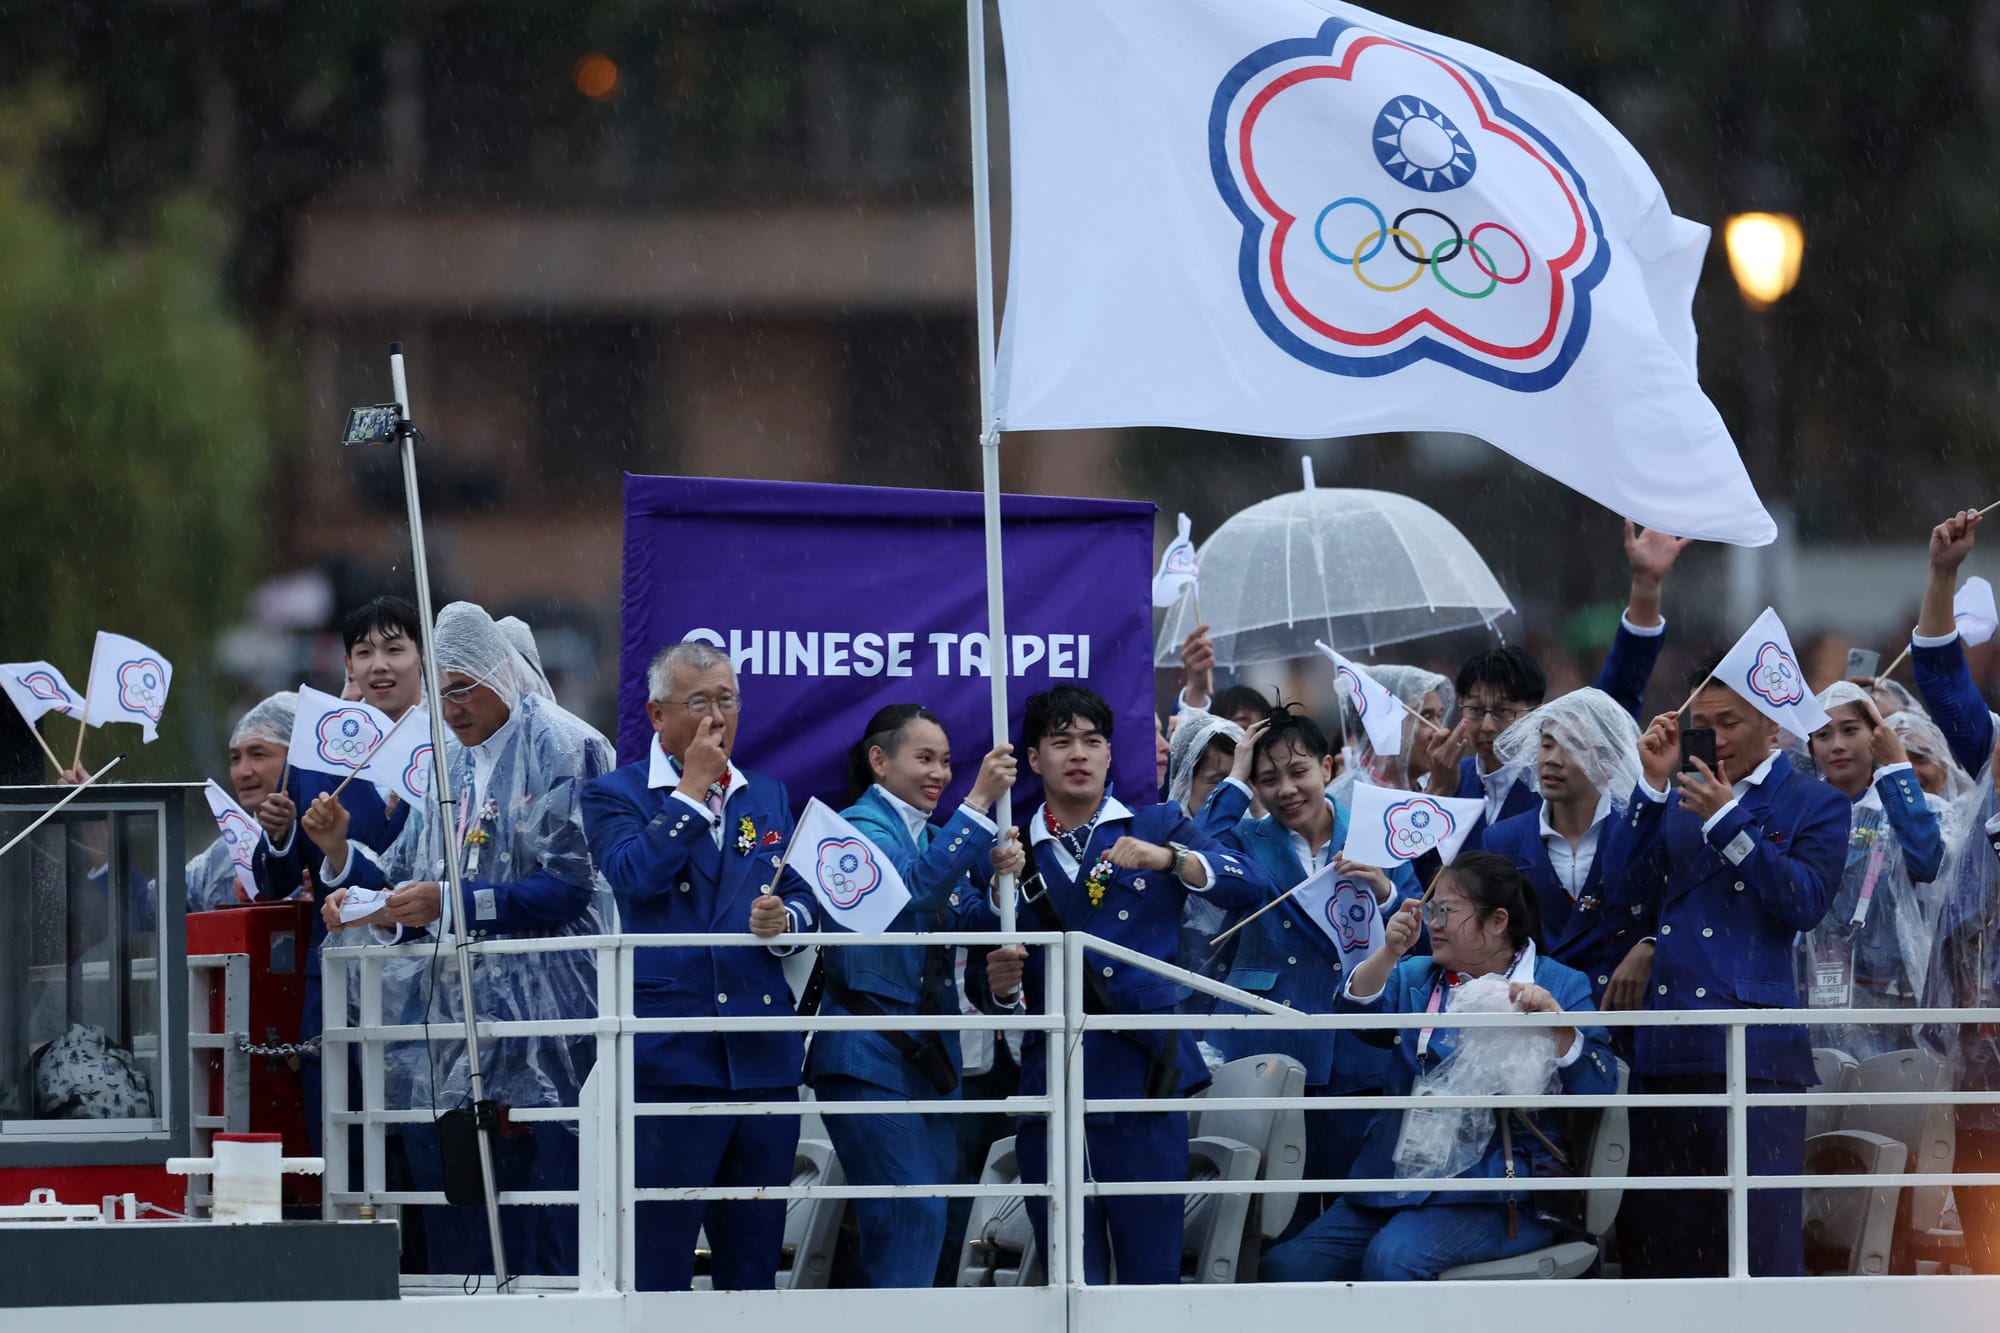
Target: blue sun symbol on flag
1418 145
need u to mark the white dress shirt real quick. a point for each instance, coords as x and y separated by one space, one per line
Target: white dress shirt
1572 864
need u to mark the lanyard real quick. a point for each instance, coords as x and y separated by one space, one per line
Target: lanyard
1436 1005
1875 856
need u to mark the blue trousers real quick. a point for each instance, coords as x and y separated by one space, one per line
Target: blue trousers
1333 1141
898 1239
540 1238
1142 1231
746 1238
1350 1241
1685 1233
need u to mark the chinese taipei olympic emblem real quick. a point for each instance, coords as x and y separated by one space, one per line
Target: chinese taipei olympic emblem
41 685
847 870
1775 677
417 777
347 736
1415 826
1394 211
1347 911
240 836
1348 678
142 687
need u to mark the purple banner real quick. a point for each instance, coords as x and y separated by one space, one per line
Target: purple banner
834 601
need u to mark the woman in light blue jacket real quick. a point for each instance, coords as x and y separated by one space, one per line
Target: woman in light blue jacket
897 773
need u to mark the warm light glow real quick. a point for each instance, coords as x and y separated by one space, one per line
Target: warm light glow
1764 254
596 77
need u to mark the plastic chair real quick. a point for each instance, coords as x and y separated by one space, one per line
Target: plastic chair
1278 1136
1851 1230
1832 1066
1928 1135
812 1226
999 1248
1602 1142
1214 1224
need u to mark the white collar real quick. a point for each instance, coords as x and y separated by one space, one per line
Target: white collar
913 818
1038 827
662 771
1603 812
1763 771
1521 969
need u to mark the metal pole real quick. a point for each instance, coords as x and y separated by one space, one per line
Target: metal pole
446 799
1739 1153
989 425
47 814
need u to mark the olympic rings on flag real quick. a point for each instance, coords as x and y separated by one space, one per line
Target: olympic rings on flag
1387 231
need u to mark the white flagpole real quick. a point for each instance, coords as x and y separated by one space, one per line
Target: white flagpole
989 425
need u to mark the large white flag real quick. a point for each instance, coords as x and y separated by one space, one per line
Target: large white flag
240 834
1974 611
849 874
1346 910
1381 712
1298 218
1387 826
1764 670
128 683
37 688
1178 569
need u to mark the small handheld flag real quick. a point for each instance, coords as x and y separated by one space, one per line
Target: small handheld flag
1389 827
1178 568
128 683
1975 613
1347 911
849 874
1764 671
37 688
239 833
1381 712
351 739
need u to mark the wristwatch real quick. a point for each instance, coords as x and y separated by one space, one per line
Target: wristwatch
1180 851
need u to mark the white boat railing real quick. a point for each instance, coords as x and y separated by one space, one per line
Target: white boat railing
606 1114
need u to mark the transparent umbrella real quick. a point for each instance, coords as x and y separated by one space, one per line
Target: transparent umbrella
1359 569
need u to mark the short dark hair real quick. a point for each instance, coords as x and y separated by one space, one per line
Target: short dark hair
1703 674
1491 882
1240 699
389 616
1053 710
1290 727
1509 669
885 729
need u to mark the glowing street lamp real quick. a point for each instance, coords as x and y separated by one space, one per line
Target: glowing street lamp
1764 254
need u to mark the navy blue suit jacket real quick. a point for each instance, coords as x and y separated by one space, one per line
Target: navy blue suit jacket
1286 957
670 879
1587 933
1731 905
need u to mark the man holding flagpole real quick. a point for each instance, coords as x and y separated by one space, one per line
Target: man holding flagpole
692 844
224 875
1738 858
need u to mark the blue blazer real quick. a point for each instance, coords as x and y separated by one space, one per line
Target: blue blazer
1958 708
1731 905
670 878
1587 934
1141 910
1408 991
1627 669
942 872
1286 957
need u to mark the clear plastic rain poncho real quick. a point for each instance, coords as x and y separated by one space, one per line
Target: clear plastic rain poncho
1923 740
1965 959
523 819
1873 948
1409 684
211 875
1501 1061
1593 729
1201 921
523 640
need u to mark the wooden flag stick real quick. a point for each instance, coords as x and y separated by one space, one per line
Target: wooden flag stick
1260 911
286 776
396 727
1990 508
1439 728
1901 657
42 741
1693 692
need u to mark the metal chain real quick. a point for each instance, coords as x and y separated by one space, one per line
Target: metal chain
282 1050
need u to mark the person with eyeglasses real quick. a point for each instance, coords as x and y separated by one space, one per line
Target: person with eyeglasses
1482 921
1283 954
1499 686
516 763
693 844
